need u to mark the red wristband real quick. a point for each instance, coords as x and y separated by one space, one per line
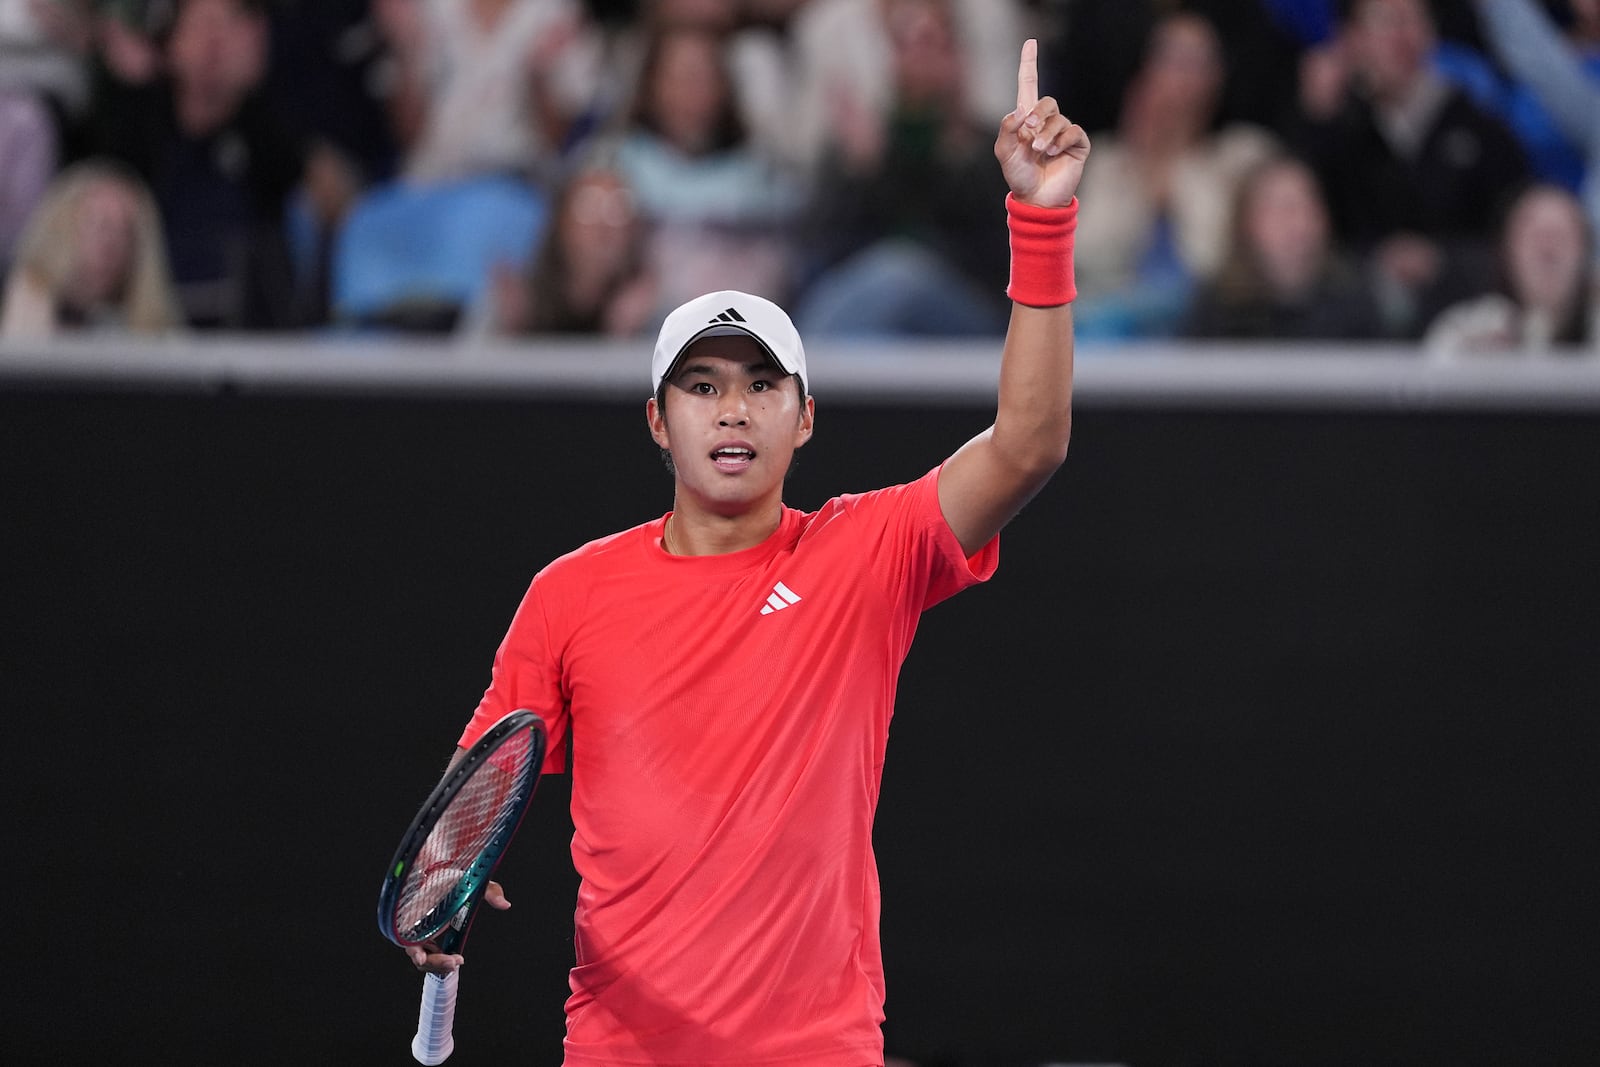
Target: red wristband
1041 253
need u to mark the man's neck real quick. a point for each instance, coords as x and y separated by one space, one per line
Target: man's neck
1406 117
693 532
200 114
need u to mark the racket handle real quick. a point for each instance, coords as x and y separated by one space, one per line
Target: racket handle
434 1041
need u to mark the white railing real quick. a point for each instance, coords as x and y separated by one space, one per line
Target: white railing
1386 377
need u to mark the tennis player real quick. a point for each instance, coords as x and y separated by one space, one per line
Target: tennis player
727 672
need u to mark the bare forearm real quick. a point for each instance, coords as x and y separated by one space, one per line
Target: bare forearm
1033 421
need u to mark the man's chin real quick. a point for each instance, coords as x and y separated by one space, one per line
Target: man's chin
728 496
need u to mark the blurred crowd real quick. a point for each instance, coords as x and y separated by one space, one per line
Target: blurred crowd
1342 170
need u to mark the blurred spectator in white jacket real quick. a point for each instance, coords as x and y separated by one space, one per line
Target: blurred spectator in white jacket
1545 300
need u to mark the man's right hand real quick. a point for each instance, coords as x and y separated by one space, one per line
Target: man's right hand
427 958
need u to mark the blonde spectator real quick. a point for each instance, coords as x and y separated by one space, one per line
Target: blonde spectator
1546 297
92 257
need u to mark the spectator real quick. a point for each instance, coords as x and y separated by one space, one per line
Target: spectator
902 213
1162 188
1262 42
1546 294
28 150
716 208
590 275
1413 169
1093 52
43 84
326 74
42 49
92 258
1497 80
1282 277
219 163
757 39
842 67
128 43
1562 73
488 86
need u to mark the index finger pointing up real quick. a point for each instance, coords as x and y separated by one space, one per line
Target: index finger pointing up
1028 77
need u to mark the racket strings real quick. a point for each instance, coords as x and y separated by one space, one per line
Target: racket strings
458 851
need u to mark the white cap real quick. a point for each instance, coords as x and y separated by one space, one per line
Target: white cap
726 313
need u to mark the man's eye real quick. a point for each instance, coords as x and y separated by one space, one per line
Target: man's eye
703 388
760 386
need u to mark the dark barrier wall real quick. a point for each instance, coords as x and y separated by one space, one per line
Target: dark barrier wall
1273 742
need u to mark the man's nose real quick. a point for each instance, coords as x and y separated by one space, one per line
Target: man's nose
734 412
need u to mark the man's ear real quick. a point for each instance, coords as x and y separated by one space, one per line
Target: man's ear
808 418
656 416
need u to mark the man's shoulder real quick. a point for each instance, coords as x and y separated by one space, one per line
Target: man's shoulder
1461 111
600 552
861 505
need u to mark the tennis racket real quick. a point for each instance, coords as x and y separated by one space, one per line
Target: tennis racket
443 865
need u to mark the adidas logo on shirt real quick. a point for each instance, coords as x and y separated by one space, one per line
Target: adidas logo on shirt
781 597
731 315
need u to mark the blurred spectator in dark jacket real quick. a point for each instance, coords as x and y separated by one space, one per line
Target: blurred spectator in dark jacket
1282 276
220 164
901 233
328 80
1545 295
1091 51
326 75
1413 169
92 258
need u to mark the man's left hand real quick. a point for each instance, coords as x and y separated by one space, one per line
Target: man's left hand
1040 150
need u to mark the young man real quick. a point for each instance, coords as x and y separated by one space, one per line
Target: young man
727 672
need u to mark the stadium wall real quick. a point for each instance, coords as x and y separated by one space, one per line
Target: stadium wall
1272 742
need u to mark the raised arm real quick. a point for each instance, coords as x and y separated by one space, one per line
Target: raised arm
993 475
1534 51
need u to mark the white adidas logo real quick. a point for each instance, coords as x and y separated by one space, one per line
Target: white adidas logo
780 597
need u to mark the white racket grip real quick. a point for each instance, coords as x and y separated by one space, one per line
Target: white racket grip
434 1041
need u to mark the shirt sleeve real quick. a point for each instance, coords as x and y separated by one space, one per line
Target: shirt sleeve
919 559
527 675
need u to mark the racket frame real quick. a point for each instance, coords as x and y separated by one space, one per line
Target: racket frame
455 915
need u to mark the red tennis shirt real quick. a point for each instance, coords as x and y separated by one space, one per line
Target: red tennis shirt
729 716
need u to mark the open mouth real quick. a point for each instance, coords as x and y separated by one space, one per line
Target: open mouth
732 458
